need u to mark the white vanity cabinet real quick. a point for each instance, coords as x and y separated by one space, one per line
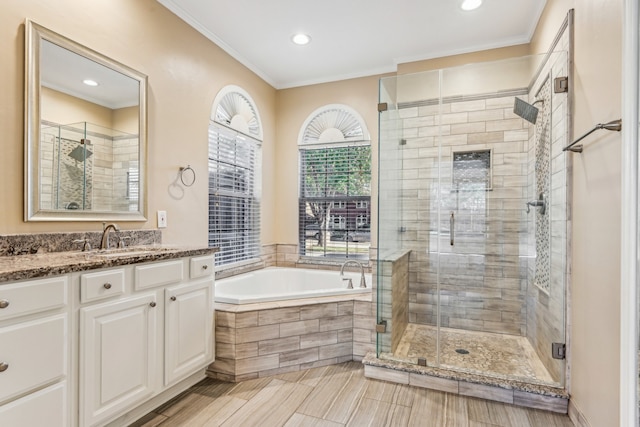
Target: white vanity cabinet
34 352
118 356
141 337
188 334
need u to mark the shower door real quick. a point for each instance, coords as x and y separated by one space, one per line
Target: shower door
484 286
501 221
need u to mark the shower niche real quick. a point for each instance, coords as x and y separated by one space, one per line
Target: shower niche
472 227
86 167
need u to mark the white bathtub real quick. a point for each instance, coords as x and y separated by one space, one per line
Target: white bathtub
275 284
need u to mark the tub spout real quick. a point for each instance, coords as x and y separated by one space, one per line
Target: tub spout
363 282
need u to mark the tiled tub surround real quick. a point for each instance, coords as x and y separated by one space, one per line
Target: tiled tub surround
263 339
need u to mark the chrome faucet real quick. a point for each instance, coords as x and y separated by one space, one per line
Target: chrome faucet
363 282
104 243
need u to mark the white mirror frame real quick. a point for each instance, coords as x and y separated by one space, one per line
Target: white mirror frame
34 34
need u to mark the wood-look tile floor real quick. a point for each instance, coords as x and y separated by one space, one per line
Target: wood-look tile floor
332 396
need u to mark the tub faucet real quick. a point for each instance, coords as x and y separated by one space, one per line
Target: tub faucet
363 282
104 243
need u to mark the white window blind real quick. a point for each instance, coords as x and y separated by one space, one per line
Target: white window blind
335 200
234 206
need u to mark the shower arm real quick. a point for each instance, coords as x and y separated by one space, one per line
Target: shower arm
615 125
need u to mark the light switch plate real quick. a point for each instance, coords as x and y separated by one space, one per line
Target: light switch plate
162 219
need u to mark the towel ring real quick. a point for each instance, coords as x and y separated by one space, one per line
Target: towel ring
190 177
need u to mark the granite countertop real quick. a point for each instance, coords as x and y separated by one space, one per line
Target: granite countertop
29 266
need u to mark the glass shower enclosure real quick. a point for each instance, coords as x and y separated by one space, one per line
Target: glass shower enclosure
472 228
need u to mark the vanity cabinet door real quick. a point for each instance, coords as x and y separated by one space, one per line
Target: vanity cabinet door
117 356
188 329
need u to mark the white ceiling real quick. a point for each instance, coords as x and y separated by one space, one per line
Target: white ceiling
64 70
352 38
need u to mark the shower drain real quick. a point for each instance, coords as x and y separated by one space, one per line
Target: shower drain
462 351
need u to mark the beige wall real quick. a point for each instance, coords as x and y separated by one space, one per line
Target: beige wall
595 289
185 72
125 119
64 109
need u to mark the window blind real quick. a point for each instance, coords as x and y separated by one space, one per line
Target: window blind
234 206
335 201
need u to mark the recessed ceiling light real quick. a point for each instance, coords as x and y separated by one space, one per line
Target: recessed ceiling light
90 82
301 39
470 4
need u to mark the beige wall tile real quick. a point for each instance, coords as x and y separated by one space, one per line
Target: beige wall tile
318 339
538 401
257 364
299 357
278 315
257 333
318 311
384 374
278 345
486 392
434 383
301 327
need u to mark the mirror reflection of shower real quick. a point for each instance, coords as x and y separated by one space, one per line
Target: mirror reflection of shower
88 167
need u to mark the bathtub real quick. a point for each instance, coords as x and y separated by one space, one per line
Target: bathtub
277 283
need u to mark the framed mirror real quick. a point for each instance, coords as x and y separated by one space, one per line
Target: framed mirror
85 133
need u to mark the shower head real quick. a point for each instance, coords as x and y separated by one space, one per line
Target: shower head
80 153
525 110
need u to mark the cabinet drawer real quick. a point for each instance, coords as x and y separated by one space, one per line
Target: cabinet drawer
162 273
47 407
101 285
23 298
201 266
33 353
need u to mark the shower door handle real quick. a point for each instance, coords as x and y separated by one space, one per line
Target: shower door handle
452 224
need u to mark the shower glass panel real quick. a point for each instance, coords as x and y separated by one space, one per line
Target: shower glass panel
485 287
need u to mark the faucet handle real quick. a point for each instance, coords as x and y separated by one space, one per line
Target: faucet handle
86 246
363 282
122 241
350 284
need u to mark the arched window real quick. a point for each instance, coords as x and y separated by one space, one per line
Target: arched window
235 136
335 184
